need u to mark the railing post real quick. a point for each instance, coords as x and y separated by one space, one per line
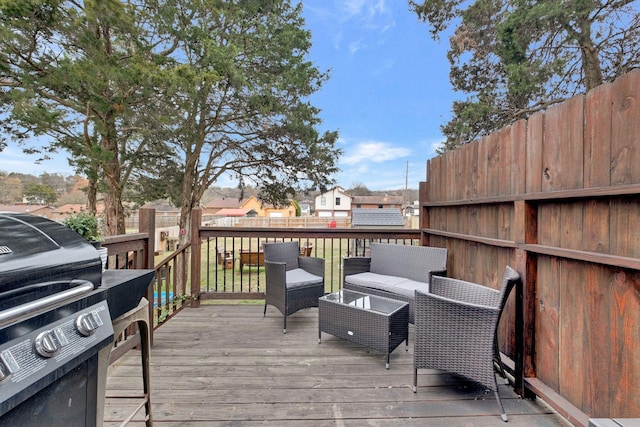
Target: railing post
147 224
196 256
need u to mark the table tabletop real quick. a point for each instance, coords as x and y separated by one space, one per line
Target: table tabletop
364 301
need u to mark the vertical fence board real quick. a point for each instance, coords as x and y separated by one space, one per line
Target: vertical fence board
597 363
563 146
483 157
625 344
505 221
492 142
453 192
505 162
597 151
572 332
455 218
625 226
473 175
547 321
518 157
552 138
625 128
534 150
595 226
435 179
571 215
549 215
572 149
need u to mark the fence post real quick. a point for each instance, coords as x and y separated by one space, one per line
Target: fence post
525 232
423 212
196 256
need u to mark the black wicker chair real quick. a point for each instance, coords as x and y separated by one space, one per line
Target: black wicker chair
456 329
293 282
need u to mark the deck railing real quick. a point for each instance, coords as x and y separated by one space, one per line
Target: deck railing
232 264
226 262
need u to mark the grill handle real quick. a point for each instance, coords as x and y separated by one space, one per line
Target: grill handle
24 311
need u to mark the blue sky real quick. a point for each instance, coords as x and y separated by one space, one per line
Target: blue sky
387 95
389 90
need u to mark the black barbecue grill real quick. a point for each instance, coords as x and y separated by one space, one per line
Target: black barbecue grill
56 312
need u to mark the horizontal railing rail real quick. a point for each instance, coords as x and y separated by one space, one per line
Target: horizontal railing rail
232 266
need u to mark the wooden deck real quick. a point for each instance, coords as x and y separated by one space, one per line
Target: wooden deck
226 365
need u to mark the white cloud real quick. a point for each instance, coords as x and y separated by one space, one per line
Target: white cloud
374 151
356 46
353 7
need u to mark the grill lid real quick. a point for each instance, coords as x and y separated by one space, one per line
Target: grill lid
34 250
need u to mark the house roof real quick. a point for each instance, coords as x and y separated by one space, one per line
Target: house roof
225 202
23 208
388 217
73 208
378 200
234 212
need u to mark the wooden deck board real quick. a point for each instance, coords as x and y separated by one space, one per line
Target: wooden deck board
223 365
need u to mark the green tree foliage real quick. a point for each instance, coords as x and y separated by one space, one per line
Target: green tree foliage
359 189
515 57
85 224
11 189
40 194
74 74
156 97
240 79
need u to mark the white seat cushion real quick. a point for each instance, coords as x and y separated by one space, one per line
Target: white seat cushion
298 277
394 284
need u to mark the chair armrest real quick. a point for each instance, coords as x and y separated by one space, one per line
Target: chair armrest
437 273
468 292
313 265
355 265
275 273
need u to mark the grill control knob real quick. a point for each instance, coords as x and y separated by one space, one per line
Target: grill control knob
87 323
8 365
5 373
47 345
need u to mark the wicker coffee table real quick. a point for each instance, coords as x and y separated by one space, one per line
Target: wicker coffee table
373 321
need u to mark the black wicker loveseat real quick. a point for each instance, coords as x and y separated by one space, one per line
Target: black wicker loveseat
395 271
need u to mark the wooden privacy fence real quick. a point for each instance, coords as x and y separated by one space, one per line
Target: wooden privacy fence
556 197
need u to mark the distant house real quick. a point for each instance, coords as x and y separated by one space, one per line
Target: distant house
216 205
37 210
305 208
334 202
377 218
247 207
62 212
412 209
270 211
